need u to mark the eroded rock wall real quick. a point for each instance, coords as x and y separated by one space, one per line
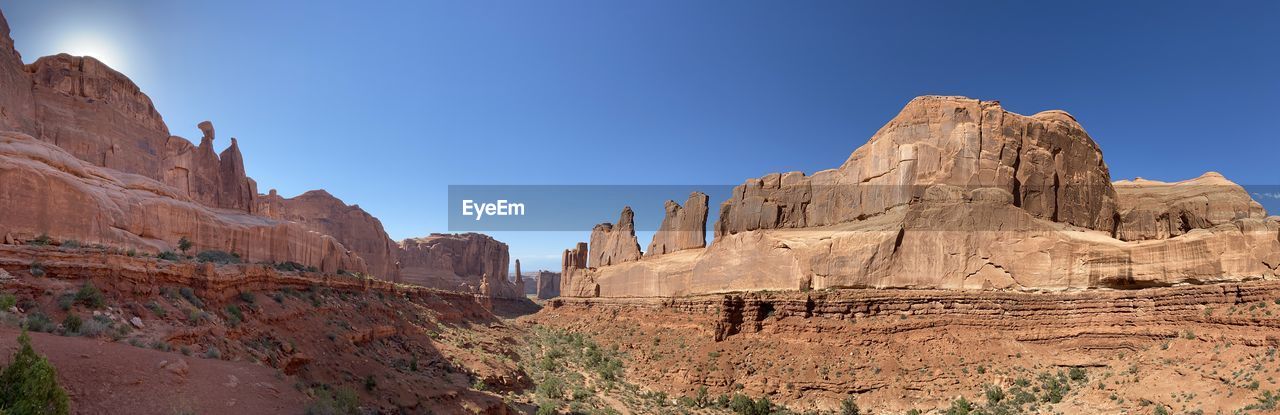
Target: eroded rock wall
683 227
458 262
356 229
614 243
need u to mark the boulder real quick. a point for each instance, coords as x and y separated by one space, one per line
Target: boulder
682 227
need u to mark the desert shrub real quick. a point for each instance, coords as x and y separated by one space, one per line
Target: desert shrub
7 301
197 316
131 252
213 353
1266 402
278 297
290 266
90 296
41 240
157 309
37 269
72 324
184 244
743 405
30 384
370 383
551 388
338 402
233 311
37 321
960 406
168 256
247 297
1077 374
94 327
66 301
72 244
218 257
162 346
191 297
849 407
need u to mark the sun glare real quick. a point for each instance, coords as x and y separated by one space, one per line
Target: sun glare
87 44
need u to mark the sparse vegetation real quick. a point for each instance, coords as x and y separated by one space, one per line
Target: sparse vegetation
184 244
90 296
168 256
218 257
342 401
29 385
42 240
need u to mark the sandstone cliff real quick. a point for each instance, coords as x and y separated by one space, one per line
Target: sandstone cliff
683 227
614 244
45 190
548 285
356 229
957 193
458 262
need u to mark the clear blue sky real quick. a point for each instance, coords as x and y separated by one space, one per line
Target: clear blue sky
385 105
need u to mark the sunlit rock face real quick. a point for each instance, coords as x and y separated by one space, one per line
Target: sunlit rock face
359 231
458 262
957 193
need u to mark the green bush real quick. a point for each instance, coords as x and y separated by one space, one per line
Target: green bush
290 266
156 308
72 324
340 402
39 322
37 269
41 240
247 297
184 244
72 244
168 256
7 301
90 296
743 405
218 257
30 384
849 407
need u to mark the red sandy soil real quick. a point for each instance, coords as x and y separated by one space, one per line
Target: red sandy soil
104 377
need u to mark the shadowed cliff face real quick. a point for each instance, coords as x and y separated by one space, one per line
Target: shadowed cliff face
468 262
356 229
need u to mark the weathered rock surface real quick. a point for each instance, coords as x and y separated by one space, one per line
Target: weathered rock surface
575 280
1151 209
683 227
356 229
1047 162
458 262
957 193
548 285
614 244
17 107
519 280
45 190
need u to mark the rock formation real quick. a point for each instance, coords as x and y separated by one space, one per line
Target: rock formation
614 244
356 229
1156 210
519 279
548 285
457 262
957 193
85 155
682 227
45 190
575 280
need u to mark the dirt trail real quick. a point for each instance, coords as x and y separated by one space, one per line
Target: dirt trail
103 377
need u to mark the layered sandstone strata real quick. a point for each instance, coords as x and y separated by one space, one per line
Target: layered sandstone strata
468 262
359 231
957 193
46 191
683 227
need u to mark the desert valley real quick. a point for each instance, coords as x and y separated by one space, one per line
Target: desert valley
964 259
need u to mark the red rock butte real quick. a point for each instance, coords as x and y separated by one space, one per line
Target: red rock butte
952 193
85 156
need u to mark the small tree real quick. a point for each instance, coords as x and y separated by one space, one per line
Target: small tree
30 384
184 245
849 407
